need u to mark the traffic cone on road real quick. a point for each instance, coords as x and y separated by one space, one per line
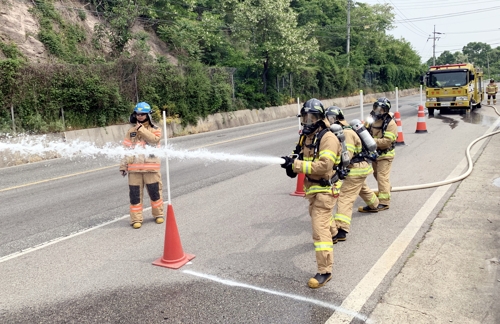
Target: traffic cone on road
421 126
173 255
400 140
299 191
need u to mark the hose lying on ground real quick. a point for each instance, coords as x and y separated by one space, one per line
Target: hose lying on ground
463 176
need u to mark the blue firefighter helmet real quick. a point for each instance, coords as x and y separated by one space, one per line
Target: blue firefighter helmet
142 108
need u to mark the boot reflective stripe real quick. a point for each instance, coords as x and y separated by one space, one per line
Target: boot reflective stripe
135 208
384 195
343 218
144 166
156 204
317 189
323 246
371 201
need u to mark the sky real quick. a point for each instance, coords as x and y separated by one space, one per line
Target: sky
459 22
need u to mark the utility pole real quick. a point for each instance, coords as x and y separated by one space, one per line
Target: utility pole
488 59
348 28
434 38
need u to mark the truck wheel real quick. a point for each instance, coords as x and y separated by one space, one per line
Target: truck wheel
431 111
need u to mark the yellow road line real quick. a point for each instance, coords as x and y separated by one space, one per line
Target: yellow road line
57 178
115 165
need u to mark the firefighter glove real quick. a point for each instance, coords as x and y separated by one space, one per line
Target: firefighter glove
123 172
288 161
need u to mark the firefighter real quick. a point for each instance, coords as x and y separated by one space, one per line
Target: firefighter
318 153
143 170
384 131
491 90
359 169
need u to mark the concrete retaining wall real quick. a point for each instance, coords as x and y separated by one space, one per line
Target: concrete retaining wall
115 134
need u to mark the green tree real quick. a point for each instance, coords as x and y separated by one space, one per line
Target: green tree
268 31
477 52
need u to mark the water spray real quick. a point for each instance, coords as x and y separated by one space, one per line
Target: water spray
30 145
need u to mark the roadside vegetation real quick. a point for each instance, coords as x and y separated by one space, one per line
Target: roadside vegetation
230 55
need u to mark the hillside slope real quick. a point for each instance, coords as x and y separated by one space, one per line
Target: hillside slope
19 26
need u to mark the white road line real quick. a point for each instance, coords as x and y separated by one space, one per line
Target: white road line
59 239
277 293
365 288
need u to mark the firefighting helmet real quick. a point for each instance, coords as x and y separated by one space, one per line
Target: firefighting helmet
141 108
311 115
334 114
381 107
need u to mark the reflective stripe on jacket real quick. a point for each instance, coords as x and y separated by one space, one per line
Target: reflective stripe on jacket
355 147
385 139
320 166
146 135
491 88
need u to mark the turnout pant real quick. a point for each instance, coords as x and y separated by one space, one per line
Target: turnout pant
320 210
492 96
382 172
351 188
152 181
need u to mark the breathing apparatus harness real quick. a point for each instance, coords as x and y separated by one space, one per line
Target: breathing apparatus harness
386 120
341 169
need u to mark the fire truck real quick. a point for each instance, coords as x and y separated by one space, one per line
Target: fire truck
453 86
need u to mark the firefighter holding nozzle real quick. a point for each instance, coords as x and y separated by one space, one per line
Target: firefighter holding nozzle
317 156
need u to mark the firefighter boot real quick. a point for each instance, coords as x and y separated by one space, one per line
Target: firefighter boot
319 280
341 236
136 225
488 102
382 207
159 220
367 209
494 101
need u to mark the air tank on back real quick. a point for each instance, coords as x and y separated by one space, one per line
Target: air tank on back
339 132
364 135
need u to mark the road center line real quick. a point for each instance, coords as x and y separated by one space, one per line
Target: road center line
278 293
365 288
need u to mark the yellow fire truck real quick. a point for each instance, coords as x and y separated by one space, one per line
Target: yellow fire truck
453 86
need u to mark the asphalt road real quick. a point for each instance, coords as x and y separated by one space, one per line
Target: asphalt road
68 254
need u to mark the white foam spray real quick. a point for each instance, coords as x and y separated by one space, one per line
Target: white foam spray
26 146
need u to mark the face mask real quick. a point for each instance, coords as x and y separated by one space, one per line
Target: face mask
332 119
308 119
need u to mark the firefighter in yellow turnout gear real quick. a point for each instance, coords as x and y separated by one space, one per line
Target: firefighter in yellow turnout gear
318 154
384 131
359 168
143 170
491 91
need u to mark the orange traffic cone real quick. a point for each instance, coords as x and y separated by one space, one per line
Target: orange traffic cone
400 140
299 191
421 126
173 255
